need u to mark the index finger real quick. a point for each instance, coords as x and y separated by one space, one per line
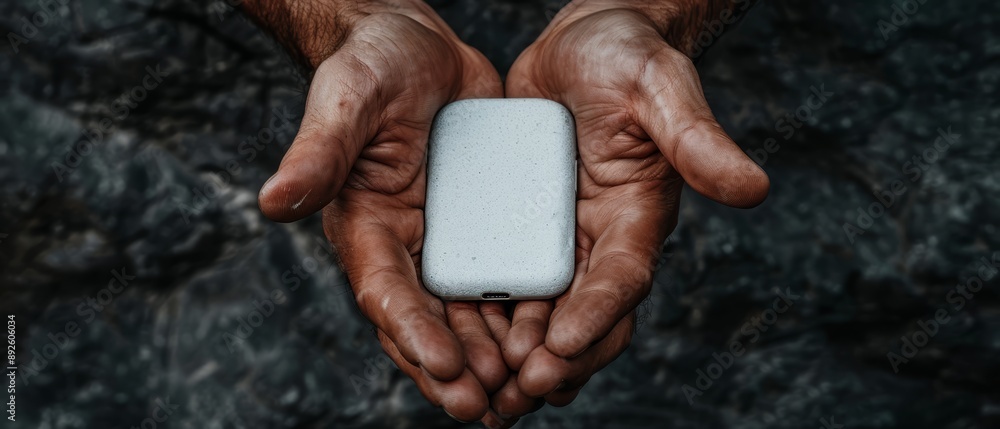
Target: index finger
384 279
629 229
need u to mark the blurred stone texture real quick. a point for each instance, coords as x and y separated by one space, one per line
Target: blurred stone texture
169 196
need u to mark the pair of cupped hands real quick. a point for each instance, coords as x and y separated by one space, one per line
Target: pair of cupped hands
382 72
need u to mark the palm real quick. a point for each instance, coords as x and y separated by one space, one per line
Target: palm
626 184
643 129
362 145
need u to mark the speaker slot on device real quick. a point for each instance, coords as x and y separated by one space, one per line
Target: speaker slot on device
496 295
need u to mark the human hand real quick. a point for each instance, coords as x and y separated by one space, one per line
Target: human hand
643 129
380 78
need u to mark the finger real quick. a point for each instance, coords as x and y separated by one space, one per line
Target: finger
544 372
676 115
482 354
518 86
462 398
562 397
493 420
495 316
527 331
386 289
509 401
480 79
337 123
619 272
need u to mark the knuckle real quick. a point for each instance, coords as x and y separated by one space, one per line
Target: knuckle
371 289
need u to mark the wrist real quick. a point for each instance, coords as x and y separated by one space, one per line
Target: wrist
680 22
312 30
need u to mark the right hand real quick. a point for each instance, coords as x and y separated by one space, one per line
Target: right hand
360 154
643 130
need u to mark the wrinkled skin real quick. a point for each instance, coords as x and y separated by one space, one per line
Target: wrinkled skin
360 153
643 129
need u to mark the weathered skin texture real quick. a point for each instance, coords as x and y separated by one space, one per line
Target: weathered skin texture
644 129
205 259
361 152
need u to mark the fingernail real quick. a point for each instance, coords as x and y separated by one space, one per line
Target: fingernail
491 421
494 420
501 415
455 418
265 188
560 386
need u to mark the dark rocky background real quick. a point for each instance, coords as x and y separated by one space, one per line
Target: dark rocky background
201 263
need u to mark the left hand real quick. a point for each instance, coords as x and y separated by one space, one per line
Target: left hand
644 129
382 71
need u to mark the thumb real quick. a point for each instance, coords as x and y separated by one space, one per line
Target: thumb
335 128
676 115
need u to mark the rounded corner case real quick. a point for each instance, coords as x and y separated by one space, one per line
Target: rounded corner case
500 210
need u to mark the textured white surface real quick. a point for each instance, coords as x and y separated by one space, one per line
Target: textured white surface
500 214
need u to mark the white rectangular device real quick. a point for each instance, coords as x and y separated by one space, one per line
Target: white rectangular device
500 215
